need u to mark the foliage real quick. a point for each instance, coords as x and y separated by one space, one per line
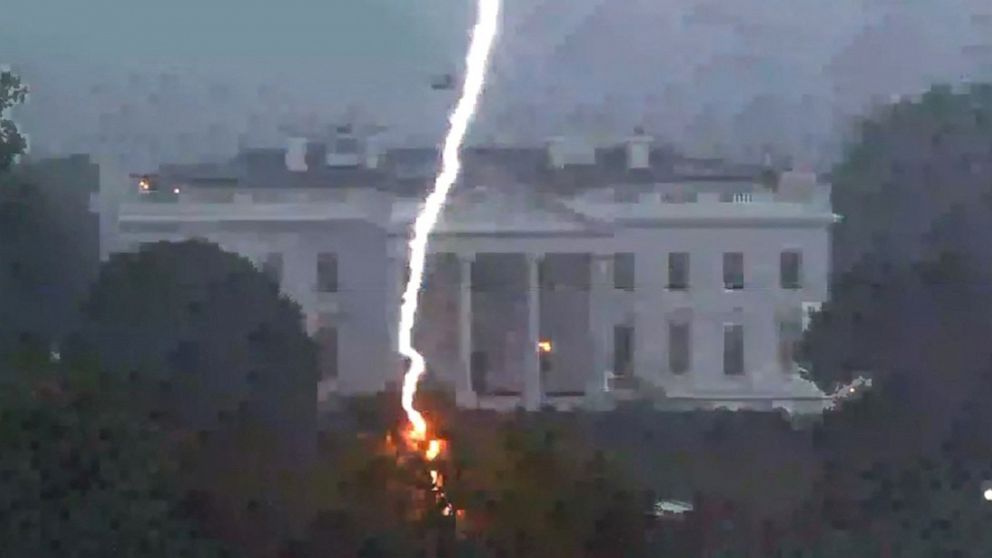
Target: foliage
911 305
80 476
913 162
206 339
12 143
215 356
35 296
532 488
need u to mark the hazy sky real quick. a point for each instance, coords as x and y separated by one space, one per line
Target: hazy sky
671 59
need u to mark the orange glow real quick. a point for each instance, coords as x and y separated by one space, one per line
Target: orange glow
433 450
544 346
144 184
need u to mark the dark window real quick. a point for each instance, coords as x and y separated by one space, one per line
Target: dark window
679 347
327 272
733 349
480 369
791 269
678 271
327 358
545 278
623 350
623 271
545 362
483 279
733 270
272 266
790 334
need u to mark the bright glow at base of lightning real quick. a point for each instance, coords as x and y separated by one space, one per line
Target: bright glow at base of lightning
477 61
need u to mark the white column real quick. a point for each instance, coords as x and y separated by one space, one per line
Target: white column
465 394
533 395
599 324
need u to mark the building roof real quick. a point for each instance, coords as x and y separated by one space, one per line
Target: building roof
503 210
410 171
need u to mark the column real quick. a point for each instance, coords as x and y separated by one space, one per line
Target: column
533 395
599 325
465 394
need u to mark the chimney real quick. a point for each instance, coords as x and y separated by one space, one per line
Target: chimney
639 150
296 154
373 150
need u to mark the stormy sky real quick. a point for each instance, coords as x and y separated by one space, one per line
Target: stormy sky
183 80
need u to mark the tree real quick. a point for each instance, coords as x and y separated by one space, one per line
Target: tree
35 299
48 246
206 340
910 301
914 161
12 143
82 476
529 487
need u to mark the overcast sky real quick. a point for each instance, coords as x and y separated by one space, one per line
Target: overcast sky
686 67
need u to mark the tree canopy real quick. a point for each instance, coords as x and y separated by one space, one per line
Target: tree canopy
913 161
81 476
206 339
12 142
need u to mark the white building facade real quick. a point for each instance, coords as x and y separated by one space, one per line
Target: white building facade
562 276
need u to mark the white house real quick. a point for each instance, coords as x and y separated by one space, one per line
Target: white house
563 275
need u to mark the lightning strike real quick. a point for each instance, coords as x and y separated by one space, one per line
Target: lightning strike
477 61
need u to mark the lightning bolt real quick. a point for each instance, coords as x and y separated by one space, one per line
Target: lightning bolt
477 61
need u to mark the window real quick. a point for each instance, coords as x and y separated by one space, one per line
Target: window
544 359
679 347
480 369
327 347
623 350
790 333
623 272
272 266
327 272
678 271
790 269
733 271
733 349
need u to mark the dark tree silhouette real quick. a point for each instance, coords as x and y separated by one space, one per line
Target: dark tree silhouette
81 476
206 339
